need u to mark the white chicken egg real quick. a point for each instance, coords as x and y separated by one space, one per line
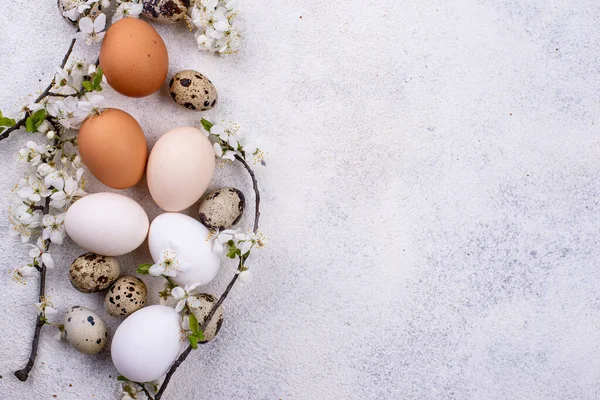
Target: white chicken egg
187 239
109 224
147 343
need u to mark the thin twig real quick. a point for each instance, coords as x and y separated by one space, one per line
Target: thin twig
20 123
215 306
143 386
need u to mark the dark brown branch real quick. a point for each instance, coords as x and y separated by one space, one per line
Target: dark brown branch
215 306
20 123
23 374
143 386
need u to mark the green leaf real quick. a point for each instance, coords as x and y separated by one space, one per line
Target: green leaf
2 129
193 341
206 124
121 378
97 78
29 124
144 269
5 121
200 336
87 85
38 117
194 325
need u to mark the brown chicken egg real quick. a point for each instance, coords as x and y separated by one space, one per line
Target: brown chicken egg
113 146
134 58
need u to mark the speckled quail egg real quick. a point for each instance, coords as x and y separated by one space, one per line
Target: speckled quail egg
126 295
84 330
168 11
193 90
222 208
91 273
201 309
69 7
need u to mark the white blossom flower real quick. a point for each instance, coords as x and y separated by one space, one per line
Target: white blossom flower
69 114
25 270
127 9
56 179
227 154
245 276
221 238
85 6
168 264
184 295
54 228
32 153
33 189
93 105
45 307
40 254
71 192
23 220
92 30
64 79
44 170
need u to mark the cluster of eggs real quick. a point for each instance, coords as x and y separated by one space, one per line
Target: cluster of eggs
178 171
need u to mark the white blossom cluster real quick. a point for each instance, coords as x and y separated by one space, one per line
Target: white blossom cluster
92 22
228 142
215 25
55 175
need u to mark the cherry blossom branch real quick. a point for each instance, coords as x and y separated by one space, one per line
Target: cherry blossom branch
23 374
182 357
20 123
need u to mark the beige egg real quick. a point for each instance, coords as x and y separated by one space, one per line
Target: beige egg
180 167
126 295
221 209
201 311
168 11
91 273
84 330
193 90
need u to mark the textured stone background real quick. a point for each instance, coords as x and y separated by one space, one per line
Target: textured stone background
431 196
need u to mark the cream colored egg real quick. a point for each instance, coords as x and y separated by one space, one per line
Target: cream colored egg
180 168
146 343
109 224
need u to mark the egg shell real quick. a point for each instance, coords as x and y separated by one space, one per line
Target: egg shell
107 223
205 304
127 295
113 146
222 208
189 238
180 167
167 11
146 343
84 330
134 58
193 90
91 273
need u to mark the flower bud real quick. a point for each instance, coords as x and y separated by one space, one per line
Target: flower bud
44 127
64 160
50 135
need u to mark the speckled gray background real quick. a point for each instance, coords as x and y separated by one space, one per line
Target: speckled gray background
430 195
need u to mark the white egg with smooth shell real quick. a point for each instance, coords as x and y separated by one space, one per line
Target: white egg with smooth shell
147 343
180 167
109 224
189 237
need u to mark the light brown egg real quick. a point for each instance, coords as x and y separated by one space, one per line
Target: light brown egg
113 146
134 58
